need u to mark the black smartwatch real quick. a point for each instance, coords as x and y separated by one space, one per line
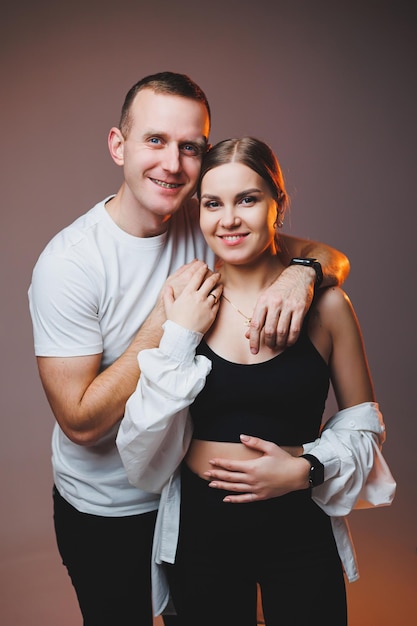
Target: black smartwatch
316 475
310 262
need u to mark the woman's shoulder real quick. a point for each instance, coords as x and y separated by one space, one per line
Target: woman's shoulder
332 297
333 305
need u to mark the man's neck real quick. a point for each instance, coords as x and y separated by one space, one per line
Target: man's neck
126 214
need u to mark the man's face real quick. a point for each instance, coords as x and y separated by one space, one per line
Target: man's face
163 150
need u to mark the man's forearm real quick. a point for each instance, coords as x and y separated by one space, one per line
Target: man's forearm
335 264
88 404
122 376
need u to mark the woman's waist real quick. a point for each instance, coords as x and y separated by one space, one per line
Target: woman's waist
201 452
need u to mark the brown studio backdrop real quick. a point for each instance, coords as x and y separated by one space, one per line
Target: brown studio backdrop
332 87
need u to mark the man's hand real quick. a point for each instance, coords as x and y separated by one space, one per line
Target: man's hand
280 309
277 472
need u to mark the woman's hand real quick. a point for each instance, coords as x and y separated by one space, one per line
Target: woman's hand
277 472
195 306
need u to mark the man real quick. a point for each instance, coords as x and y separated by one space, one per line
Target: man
94 301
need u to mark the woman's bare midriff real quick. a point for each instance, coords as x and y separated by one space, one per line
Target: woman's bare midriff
200 452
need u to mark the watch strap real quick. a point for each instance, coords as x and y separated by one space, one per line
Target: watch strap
310 262
316 475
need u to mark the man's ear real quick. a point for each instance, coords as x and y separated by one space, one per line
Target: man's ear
116 145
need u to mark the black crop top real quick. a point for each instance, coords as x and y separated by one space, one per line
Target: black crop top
280 400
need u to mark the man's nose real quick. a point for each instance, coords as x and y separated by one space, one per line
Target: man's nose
172 161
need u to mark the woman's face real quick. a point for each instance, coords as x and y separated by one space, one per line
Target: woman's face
237 213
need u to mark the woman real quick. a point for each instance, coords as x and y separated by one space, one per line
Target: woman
280 537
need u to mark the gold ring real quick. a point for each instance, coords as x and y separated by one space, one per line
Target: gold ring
214 296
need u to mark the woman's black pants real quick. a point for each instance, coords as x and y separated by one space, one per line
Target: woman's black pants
286 544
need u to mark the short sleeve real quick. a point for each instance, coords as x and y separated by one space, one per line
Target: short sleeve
64 304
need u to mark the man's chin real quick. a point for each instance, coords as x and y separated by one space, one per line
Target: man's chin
170 207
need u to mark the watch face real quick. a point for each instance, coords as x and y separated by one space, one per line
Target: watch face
307 262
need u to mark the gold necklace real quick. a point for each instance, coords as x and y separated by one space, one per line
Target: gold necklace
247 319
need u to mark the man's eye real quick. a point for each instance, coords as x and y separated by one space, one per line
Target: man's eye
154 141
191 149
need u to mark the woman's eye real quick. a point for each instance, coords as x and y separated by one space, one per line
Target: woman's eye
248 200
211 204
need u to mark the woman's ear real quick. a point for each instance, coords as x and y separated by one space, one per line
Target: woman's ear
280 218
116 144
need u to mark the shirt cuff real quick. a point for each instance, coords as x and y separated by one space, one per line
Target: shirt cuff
179 343
326 455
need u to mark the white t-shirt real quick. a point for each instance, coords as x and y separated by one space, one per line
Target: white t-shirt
92 288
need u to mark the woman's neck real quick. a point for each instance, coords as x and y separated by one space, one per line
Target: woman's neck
251 278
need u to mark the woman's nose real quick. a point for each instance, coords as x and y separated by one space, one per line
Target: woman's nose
230 218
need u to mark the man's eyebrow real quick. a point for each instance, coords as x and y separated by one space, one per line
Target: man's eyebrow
150 132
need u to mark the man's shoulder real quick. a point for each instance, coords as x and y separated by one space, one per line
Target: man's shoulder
77 231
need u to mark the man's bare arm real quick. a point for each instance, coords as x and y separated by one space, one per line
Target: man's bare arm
88 403
335 264
280 309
